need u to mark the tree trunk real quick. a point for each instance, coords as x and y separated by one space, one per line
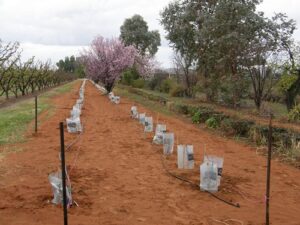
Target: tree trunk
6 95
289 101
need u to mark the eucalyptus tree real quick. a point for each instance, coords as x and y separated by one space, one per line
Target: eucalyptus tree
135 32
227 39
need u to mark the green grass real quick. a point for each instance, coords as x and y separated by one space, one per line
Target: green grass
155 106
14 120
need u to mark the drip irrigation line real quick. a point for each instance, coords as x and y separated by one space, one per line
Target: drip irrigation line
237 205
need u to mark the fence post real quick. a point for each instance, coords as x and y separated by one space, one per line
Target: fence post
63 171
269 172
36 114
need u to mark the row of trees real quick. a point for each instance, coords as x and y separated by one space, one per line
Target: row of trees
72 65
232 45
20 78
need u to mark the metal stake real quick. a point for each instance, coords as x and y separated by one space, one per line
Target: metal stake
36 114
269 172
63 171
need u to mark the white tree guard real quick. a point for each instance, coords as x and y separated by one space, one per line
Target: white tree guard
148 124
209 176
168 143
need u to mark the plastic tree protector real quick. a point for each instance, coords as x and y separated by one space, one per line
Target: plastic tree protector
57 189
168 143
189 157
142 118
73 125
79 102
116 99
159 131
148 124
209 176
134 112
218 161
75 112
185 157
180 156
111 95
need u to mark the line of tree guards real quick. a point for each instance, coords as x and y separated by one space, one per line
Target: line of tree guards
21 78
223 48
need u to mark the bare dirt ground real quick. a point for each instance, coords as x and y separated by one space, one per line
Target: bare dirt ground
118 178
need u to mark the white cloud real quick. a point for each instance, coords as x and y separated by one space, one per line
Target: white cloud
57 28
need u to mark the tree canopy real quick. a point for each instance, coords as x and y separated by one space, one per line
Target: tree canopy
227 39
134 31
106 59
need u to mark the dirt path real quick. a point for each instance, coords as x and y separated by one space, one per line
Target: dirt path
118 178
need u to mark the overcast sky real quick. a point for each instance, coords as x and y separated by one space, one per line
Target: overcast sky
53 29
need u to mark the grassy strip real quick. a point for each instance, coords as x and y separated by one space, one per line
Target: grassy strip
153 105
14 120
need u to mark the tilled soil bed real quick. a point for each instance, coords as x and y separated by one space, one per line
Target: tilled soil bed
118 178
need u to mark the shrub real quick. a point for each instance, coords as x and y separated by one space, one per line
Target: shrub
167 85
226 126
212 123
191 110
129 76
155 82
139 83
294 114
201 115
177 91
196 117
242 127
205 114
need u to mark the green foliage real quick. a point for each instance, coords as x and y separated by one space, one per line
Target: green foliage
71 65
231 92
134 31
156 80
226 126
224 38
139 83
294 114
129 76
212 123
167 85
286 81
79 71
67 65
177 91
196 117
242 127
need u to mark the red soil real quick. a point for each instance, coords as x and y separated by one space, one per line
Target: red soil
118 178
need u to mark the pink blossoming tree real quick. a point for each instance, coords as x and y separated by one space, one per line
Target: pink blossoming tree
106 59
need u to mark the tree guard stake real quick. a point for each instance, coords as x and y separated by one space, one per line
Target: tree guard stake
63 171
35 127
269 171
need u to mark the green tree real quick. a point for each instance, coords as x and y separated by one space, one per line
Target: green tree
134 31
71 65
226 38
290 81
